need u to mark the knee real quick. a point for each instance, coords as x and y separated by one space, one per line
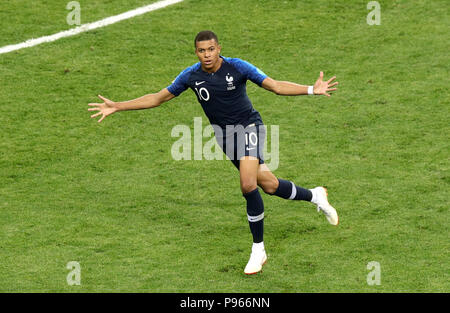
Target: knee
269 186
248 186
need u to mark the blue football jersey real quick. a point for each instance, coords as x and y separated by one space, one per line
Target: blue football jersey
223 94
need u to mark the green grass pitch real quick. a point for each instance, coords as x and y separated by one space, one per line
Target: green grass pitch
111 197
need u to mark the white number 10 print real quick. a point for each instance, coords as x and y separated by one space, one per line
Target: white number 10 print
203 93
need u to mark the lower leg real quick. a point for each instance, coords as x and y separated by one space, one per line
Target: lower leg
255 207
255 215
288 190
279 187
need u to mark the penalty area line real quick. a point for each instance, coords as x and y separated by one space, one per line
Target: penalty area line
89 26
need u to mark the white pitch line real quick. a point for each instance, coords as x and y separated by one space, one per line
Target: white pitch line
90 26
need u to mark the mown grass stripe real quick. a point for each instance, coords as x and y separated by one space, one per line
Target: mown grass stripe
90 26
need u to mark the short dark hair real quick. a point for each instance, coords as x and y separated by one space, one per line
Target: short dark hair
205 35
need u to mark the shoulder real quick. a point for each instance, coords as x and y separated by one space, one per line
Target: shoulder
181 82
194 67
242 66
188 71
236 62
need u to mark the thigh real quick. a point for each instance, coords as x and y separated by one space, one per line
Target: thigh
266 179
265 174
248 172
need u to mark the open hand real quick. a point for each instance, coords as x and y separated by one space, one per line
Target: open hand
106 108
322 87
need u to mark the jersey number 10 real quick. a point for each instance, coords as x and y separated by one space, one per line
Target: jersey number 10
203 93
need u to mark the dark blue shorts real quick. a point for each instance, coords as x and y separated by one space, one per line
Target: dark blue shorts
238 141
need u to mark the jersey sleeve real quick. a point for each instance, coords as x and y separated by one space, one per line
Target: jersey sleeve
252 72
180 83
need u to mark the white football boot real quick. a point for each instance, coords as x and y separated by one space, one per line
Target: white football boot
258 258
320 197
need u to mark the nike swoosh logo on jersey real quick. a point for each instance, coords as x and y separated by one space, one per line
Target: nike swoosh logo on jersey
199 83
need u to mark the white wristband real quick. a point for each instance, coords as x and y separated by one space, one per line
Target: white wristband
310 90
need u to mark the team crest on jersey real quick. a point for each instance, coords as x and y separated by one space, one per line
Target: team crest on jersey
230 80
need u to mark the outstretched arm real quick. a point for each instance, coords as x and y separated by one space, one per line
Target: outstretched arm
284 88
149 101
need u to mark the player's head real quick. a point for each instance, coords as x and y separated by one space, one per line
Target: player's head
207 49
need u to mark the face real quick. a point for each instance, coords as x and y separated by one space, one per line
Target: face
208 53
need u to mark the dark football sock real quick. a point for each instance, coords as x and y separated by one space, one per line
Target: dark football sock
255 214
288 190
